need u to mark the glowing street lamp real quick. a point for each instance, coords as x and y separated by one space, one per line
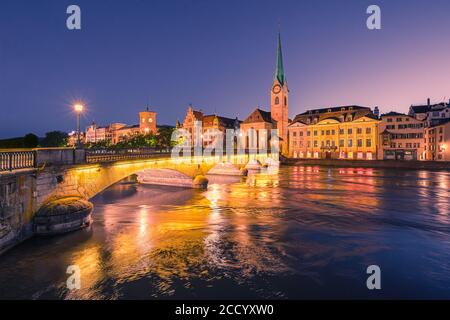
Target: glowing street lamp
78 110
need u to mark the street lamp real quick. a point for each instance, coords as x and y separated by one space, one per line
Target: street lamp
78 110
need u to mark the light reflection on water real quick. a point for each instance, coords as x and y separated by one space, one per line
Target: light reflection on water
306 232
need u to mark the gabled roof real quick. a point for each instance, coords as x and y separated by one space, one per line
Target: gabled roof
208 120
426 108
259 116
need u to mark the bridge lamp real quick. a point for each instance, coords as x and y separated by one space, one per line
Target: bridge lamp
78 110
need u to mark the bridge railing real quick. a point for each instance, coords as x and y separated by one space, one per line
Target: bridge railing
14 160
104 155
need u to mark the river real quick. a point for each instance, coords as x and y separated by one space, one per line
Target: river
304 232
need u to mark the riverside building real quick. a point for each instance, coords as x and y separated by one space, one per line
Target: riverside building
345 132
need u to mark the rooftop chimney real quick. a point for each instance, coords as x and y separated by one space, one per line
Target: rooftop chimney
376 111
428 102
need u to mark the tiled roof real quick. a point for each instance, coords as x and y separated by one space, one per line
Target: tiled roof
335 113
392 113
259 116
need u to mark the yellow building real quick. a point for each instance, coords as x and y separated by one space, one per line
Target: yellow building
347 132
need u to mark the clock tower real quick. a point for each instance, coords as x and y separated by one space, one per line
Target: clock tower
279 101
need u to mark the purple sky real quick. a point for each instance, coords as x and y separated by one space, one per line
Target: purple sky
218 55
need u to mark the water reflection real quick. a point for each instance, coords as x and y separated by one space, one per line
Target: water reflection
303 232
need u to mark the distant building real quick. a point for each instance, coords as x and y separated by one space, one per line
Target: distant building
346 132
72 138
117 132
437 141
432 113
95 133
401 137
277 118
209 124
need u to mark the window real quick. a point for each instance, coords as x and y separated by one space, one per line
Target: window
294 134
341 143
350 131
359 142
308 133
350 143
315 132
333 132
341 131
359 130
285 101
315 144
323 132
328 132
399 119
301 133
277 100
368 143
368 130
389 120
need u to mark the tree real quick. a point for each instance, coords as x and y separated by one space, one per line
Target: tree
55 139
164 137
30 140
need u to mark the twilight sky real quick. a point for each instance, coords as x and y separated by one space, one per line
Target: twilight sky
218 55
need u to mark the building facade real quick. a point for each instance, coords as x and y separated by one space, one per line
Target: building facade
256 130
437 142
347 132
401 137
117 132
433 114
210 125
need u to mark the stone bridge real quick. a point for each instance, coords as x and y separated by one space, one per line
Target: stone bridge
30 180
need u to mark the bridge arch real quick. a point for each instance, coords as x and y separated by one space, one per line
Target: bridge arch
86 181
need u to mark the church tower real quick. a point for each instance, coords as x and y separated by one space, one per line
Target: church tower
279 100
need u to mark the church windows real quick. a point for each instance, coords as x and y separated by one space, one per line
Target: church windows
285 101
277 100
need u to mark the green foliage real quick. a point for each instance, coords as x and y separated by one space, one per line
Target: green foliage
55 139
30 140
160 140
164 137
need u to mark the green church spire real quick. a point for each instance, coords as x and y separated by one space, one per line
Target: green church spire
279 71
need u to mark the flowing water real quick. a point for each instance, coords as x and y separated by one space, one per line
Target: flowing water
304 232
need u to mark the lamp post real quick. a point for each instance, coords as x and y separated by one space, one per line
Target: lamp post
78 110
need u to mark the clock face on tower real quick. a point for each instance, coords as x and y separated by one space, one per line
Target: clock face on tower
276 89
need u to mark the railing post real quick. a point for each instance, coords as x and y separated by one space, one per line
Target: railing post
10 161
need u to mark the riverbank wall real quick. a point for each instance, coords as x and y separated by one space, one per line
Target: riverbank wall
388 164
